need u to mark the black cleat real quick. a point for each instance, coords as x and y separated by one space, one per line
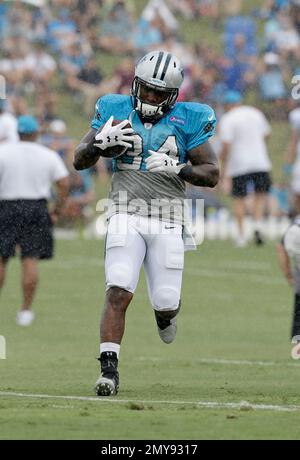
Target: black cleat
108 382
258 238
107 386
166 328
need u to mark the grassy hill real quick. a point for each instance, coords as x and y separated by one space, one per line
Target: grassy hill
192 31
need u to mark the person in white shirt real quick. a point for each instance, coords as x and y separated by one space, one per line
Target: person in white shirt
27 172
243 131
8 125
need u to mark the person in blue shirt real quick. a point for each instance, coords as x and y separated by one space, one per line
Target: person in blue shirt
157 145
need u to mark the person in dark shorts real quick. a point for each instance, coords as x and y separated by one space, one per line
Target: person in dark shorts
245 160
28 171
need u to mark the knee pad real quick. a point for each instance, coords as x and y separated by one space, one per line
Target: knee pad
166 298
119 275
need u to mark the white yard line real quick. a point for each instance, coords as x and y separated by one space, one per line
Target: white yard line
242 405
229 362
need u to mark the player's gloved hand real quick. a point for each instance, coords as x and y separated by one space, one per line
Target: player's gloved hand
161 162
111 135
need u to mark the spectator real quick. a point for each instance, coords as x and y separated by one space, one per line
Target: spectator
232 7
40 65
72 60
295 14
147 34
123 76
13 68
90 83
117 30
56 139
286 38
76 207
61 31
46 101
271 84
234 74
160 8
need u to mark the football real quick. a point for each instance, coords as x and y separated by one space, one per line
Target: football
117 150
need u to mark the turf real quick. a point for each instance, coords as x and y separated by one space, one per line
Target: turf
232 346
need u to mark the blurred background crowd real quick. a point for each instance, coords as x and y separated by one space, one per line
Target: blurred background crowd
59 56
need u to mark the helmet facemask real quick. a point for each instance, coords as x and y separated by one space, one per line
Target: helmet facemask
152 111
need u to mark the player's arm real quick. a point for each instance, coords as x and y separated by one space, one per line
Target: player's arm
224 155
96 143
204 168
284 263
225 183
62 191
86 154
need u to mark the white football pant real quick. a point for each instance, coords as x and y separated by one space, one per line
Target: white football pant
134 240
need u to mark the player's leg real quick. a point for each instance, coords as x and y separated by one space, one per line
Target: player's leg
239 210
3 264
295 333
167 323
239 193
259 203
112 323
8 236
164 266
262 185
29 283
36 242
125 252
112 328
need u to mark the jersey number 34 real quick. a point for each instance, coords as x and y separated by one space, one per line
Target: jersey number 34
134 157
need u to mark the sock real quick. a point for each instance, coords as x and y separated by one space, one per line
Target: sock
109 346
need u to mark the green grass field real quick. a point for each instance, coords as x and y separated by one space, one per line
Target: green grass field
232 347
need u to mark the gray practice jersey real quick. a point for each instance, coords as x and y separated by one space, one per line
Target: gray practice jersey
158 195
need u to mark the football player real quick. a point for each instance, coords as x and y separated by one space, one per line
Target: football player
166 144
